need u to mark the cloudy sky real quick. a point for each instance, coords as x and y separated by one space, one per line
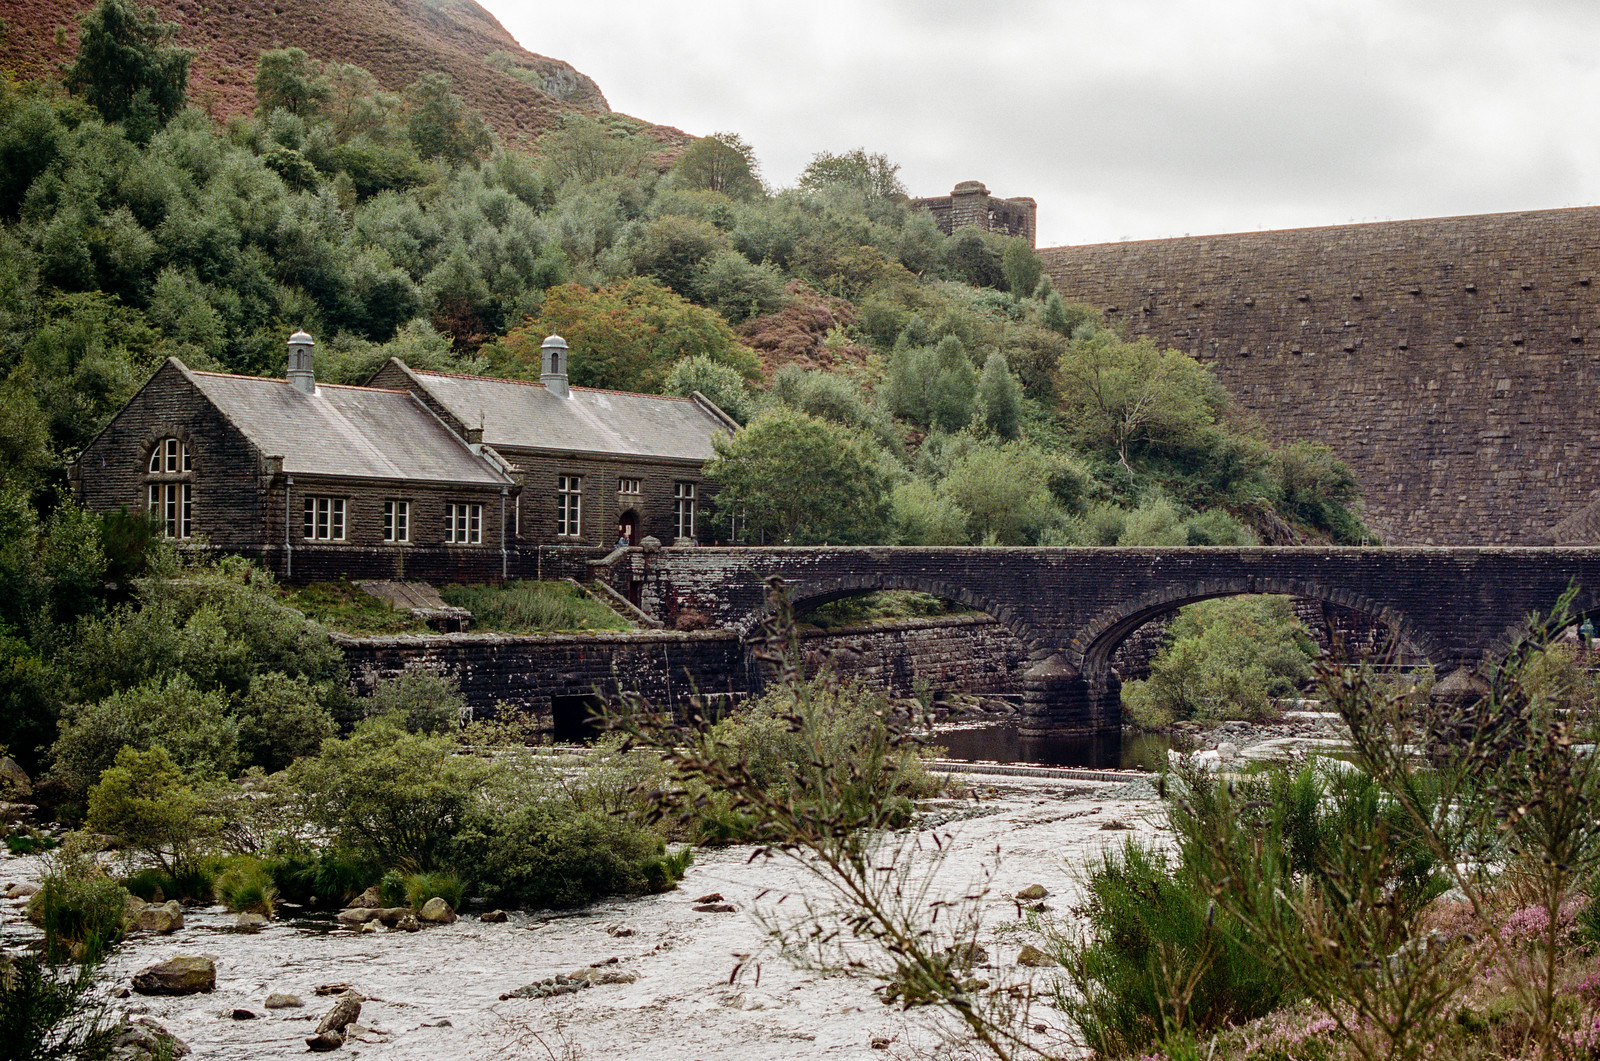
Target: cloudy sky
1127 119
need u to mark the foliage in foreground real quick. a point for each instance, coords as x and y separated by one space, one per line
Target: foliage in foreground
48 1011
1337 890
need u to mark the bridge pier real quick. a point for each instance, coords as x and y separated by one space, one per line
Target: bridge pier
1057 701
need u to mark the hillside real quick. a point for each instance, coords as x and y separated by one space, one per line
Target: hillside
522 95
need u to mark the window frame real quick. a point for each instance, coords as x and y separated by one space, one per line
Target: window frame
463 523
169 487
323 516
396 521
683 501
569 506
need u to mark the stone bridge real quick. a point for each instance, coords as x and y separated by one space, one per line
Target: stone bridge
1072 607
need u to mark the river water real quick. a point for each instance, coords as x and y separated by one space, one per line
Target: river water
999 742
436 993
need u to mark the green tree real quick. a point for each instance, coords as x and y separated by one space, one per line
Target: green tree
583 151
287 79
126 68
1120 395
1005 491
389 797
870 174
1224 659
1022 268
143 800
721 162
999 406
794 479
440 123
624 336
724 386
195 727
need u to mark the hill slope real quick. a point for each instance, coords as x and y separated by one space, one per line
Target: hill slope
397 40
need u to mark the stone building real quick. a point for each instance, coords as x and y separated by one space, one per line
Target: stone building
589 464
970 203
399 478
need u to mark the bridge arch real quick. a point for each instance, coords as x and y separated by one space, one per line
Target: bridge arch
803 596
1090 649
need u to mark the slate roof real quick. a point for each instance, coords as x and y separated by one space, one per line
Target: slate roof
359 432
517 414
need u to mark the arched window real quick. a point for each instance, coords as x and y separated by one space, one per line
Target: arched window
168 487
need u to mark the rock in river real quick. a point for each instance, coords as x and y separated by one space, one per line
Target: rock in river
183 974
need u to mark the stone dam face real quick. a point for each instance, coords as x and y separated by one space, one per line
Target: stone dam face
1454 363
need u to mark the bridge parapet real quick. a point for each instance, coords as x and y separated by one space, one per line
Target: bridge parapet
1073 606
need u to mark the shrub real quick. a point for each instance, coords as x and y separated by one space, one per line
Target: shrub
326 878
419 701
809 744
191 725
420 887
388 797
144 801
79 907
553 854
245 884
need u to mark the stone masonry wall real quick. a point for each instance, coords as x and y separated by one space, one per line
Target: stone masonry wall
1453 362
965 654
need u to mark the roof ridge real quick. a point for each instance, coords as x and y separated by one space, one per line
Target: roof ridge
275 379
536 383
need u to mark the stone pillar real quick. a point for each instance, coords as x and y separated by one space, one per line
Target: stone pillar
1058 701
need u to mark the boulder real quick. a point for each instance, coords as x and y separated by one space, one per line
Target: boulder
367 900
22 891
142 1039
494 917
344 1012
251 922
162 918
322 1042
356 915
408 923
714 908
14 780
278 1000
391 915
436 912
183 974
333 989
1033 893
1034 958
241 1013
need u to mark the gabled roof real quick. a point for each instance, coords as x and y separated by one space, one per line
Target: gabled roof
357 432
516 414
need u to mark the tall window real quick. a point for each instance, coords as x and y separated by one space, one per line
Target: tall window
569 505
169 494
463 524
683 509
171 507
397 521
325 518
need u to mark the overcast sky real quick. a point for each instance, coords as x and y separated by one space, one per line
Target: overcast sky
1127 119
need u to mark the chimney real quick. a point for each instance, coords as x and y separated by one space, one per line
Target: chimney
300 374
554 372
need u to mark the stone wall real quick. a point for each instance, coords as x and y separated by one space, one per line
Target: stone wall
1453 362
961 654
